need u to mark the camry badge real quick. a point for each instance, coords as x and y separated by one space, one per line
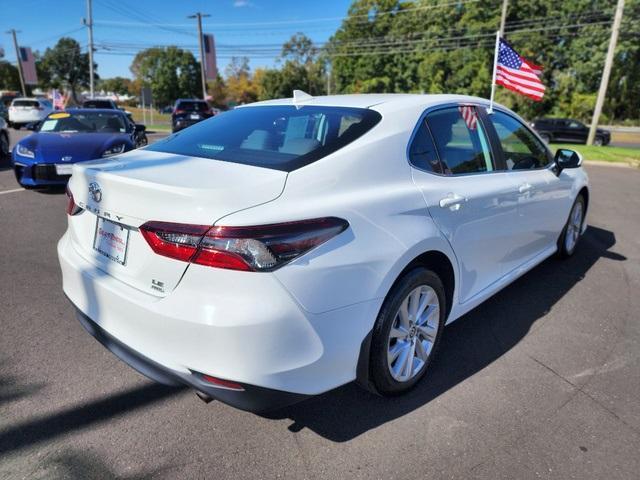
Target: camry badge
95 191
66 158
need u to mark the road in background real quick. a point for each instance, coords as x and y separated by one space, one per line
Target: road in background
539 381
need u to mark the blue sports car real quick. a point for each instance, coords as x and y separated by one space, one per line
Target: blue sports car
64 138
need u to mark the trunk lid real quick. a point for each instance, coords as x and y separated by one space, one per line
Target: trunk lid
141 186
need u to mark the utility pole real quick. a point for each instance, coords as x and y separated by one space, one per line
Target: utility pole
200 16
604 82
15 44
503 17
88 22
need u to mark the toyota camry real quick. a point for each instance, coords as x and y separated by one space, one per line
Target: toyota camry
287 247
64 138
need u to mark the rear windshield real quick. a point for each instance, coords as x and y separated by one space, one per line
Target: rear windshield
277 137
26 103
98 104
193 106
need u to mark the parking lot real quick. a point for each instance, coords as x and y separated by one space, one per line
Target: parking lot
540 381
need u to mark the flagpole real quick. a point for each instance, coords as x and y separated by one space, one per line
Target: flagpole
493 80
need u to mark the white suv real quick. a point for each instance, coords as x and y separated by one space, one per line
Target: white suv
28 110
287 247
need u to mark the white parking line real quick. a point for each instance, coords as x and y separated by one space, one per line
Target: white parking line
12 191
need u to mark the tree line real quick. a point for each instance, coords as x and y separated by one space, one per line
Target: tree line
425 46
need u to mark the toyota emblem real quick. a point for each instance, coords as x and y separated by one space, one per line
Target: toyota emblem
95 191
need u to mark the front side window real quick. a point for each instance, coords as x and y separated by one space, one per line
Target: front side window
522 150
279 137
460 140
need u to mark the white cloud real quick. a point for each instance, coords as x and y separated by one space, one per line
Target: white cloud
242 3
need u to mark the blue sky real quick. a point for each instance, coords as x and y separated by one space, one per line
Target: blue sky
253 28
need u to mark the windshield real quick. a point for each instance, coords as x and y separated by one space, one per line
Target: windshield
87 122
277 137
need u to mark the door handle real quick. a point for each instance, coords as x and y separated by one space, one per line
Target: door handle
452 201
525 187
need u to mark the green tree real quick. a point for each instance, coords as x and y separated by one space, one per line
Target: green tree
239 85
9 77
302 68
65 66
436 47
117 85
170 72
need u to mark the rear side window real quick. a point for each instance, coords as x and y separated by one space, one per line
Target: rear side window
422 152
97 104
278 137
460 140
26 103
193 106
521 148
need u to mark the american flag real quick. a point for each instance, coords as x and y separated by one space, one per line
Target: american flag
58 99
28 66
469 116
517 73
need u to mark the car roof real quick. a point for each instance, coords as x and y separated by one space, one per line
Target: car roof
377 101
90 110
33 99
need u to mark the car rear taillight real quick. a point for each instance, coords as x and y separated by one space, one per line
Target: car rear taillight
256 248
178 112
72 208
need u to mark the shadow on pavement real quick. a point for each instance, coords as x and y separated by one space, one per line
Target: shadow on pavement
81 464
468 345
81 416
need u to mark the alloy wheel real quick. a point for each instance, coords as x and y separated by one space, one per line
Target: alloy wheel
413 333
573 227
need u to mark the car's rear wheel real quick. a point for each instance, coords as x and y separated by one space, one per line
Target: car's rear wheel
4 145
598 141
572 230
407 332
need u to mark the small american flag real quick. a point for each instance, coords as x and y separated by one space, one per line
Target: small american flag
469 116
58 99
517 73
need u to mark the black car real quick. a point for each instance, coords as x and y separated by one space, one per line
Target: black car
187 112
568 130
105 103
100 103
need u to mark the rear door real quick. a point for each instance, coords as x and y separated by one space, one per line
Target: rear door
473 205
543 198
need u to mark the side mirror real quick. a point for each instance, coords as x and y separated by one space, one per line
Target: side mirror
33 126
566 158
139 128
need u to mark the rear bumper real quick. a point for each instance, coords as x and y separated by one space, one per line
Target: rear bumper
237 326
252 399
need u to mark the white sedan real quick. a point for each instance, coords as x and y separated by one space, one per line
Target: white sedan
287 247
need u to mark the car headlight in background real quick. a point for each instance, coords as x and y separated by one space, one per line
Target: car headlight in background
115 150
25 152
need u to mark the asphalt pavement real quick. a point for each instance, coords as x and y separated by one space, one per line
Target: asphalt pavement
541 381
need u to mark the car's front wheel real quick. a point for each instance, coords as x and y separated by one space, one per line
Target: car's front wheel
598 141
407 332
572 230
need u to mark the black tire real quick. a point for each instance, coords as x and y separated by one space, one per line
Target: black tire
563 250
598 141
16 126
546 138
4 145
379 373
